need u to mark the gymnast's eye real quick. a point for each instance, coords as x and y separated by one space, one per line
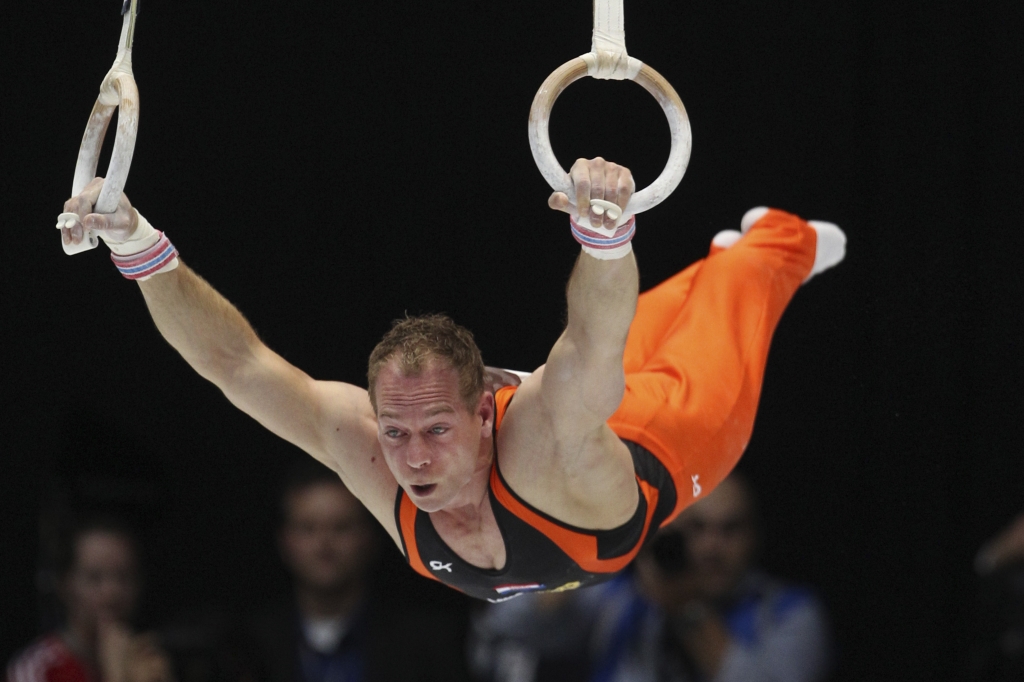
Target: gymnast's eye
392 433
438 430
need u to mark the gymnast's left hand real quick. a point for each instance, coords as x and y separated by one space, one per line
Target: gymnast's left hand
112 227
595 179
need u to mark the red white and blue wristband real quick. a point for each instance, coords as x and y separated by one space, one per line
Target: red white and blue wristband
160 257
605 244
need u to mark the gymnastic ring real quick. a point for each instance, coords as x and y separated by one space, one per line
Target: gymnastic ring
121 88
654 83
117 91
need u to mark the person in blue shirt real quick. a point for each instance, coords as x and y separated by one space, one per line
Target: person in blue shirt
697 609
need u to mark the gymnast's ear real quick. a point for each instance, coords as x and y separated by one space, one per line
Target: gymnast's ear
485 409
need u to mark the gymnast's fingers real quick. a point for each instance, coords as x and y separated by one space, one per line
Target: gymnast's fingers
626 187
560 202
81 205
580 175
118 225
597 185
88 196
611 192
72 235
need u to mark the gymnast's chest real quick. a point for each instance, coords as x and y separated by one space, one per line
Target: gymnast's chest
481 546
532 562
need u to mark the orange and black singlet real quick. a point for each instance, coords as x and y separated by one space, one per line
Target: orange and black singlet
541 553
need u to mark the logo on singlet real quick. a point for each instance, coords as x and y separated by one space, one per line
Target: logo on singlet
438 566
696 486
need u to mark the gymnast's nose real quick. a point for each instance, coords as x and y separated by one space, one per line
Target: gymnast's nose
417 454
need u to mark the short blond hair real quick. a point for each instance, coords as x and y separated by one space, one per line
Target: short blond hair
414 341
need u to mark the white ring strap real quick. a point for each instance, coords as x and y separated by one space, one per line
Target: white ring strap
607 58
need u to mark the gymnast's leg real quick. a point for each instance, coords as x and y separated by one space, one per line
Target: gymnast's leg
657 307
697 349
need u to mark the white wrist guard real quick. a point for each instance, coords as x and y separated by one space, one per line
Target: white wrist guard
146 252
604 243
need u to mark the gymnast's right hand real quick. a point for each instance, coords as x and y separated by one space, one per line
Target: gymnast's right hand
596 179
116 227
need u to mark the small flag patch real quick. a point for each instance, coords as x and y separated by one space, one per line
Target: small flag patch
528 587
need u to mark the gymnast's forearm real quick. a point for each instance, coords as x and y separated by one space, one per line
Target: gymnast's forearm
602 297
204 327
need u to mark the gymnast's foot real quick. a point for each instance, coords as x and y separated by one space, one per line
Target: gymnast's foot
831 247
723 240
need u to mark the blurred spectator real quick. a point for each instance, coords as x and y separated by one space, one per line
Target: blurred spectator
1005 549
535 638
717 617
692 608
998 653
99 584
334 627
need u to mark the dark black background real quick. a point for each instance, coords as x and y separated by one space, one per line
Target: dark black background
329 166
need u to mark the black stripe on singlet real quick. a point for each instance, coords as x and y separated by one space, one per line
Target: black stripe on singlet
649 468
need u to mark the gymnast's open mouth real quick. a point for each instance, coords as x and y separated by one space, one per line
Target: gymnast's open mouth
423 490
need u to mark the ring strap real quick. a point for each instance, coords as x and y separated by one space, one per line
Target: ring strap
608 58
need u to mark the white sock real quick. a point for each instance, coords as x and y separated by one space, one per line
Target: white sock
831 248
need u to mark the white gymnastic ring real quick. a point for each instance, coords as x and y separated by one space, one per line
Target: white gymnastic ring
124 143
118 91
120 158
652 82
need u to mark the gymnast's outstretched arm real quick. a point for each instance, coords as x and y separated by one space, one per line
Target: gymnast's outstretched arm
583 381
219 343
332 421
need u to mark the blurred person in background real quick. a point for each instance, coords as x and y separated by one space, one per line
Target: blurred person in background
99 586
541 637
698 609
997 654
334 627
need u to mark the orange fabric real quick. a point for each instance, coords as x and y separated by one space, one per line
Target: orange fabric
407 518
502 397
697 349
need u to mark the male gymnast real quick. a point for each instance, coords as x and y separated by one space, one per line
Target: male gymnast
643 406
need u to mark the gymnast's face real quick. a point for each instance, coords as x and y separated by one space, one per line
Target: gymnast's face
433 443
